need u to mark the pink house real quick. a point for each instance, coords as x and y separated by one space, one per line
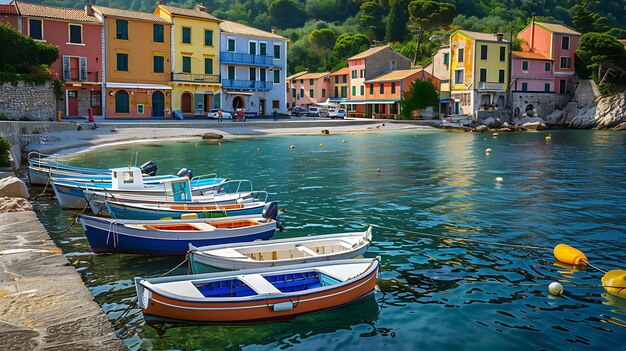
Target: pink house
531 71
78 34
556 42
8 14
311 88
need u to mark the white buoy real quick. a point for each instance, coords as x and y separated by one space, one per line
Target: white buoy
555 288
498 180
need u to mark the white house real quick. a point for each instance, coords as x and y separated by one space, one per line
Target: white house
253 68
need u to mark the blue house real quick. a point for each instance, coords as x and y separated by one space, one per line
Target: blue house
253 68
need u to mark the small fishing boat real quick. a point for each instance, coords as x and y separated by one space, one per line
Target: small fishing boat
173 237
317 248
256 295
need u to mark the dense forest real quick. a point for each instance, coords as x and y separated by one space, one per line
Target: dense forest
323 33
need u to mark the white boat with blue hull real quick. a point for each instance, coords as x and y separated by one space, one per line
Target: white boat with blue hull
173 237
281 252
128 210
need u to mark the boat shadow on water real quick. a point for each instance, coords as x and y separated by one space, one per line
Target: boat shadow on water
168 334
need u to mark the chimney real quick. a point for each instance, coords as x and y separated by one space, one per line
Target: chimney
199 7
89 9
273 30
499 36
532 34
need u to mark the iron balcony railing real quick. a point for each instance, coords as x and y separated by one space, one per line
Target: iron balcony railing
198 78
491 86
246 84
246 59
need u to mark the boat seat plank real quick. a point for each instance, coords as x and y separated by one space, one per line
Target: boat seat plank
343 272
228 253
204 226
307 250
182 288
345 245
258 284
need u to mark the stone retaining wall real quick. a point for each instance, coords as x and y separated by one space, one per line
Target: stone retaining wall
22 100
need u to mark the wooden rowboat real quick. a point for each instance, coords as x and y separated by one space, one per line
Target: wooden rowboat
280 252
256 295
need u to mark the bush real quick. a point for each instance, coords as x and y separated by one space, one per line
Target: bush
4 152
4 117
605 89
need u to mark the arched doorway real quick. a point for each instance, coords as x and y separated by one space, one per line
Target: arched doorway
237 103
185 102
500 102
122 102
158 104
529 110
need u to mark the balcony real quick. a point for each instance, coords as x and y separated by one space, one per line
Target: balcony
195 78
246 84
490 86
236 58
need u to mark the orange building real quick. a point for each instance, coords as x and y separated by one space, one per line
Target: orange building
137 47
339 83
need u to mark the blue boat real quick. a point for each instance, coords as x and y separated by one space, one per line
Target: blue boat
172 237
152 211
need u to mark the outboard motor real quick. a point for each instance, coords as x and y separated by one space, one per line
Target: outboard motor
149 168
270 211
185 172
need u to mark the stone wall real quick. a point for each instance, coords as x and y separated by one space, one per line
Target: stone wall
381 63
542 103
22 100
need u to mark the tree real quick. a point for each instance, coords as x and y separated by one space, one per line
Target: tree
350 44
371 19
427 15
25 55
323 38
601 52
397 20
585 20
287 13
421 94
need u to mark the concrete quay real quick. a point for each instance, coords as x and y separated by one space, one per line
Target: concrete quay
43 301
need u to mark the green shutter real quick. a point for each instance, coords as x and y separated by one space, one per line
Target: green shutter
158 64
208 37
276 76
157 33
122 104
186 64
122 62
208 65
276 51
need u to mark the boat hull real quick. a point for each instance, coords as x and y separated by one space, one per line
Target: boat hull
128 211
109 237
38 177
69 197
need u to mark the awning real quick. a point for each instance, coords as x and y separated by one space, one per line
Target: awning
365 102
138 86
236 93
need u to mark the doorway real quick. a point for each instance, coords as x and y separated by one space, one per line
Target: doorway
72 103
185 102
261 107
96 102
158 104
208 102
237 103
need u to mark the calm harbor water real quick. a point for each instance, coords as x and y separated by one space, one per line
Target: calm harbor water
434 293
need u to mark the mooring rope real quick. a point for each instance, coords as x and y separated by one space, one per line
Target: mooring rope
74 220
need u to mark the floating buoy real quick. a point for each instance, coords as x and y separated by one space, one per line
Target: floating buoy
570 255
378 170
549 137
344 141
555 288
321 145
488 151
258 149
495 135
498 180
614 282
196 144
292 147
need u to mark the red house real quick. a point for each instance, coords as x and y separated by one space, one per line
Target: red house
9 14
78 34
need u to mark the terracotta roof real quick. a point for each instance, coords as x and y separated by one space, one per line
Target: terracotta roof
189 12
8 9
341 72
62 13
296 75
557 28
369 52
136 15
481 36
530 55
394 75
314 75
623 41
238 28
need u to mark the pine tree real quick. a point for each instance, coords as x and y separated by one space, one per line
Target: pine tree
396 22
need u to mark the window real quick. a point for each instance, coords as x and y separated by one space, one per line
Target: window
35 29
393 65
311 94
121 102
76 34
446 58
263 49
231 45
548 67
301 92
122 62
565 62
382 88
362 90
157 64
525 66
353 90
459 76
524 86
562 86
231 72
157 33
362 74
140 111
275 104
208 37
74 68
483 75
262 74
502 53
336 79
310 81
501 76
345 78
483 52
461 55
121 29
186 64
293 93
393 87
336 91
252 71
546 87
186 35
344 91
276 76
208 65
353 74
371 88
252 48
565 43
276 51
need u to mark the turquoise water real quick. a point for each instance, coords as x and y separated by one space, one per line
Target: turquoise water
434 293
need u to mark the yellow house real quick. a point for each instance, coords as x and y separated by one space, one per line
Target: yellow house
136 49
194 58
479 71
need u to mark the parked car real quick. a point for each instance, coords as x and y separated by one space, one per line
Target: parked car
317 112
299 111
342 113
336 113
213 114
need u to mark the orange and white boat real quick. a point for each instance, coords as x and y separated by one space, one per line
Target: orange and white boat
256 295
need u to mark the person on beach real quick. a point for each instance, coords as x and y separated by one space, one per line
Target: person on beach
219 115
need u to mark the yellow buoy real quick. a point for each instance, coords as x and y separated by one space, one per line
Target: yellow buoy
548 138
488 151
344 141
614 282
292 147
321 145
568 254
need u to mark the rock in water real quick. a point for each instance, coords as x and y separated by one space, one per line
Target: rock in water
212 136
13 187
481 128
14 204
